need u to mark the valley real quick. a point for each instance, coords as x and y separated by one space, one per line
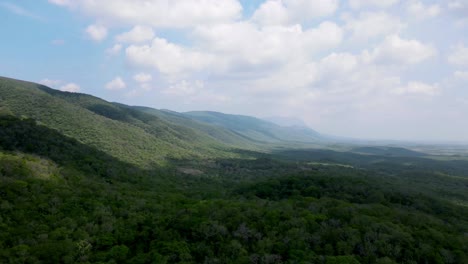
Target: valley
83 180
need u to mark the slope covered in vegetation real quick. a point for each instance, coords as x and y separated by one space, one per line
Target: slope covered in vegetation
255 128
66 198
125 133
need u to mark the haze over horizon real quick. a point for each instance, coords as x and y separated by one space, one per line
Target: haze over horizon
385 69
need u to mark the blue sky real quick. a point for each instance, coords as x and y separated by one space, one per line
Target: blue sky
379 69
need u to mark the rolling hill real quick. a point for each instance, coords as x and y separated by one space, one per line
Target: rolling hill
130 135
256 129
83 180
142 135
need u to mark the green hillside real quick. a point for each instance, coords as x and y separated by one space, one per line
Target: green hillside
65 202
123 132
85 181
257 129
219 133
142 135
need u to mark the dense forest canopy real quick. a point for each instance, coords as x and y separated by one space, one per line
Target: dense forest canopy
135 185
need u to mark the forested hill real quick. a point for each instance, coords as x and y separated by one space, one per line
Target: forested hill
141 135
85 181
258 129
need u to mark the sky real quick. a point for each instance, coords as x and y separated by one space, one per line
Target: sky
371 69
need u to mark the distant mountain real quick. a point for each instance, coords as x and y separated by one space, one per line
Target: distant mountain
219 133
255 128
142 135
286 121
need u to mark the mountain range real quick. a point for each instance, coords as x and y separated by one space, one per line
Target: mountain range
143 135
83 180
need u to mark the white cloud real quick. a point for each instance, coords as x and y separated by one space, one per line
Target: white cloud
116 84
305 9
114 50
70 87
278 12
97 32
271 12
418 88
401 51
356 4
232 43
458 4
417 9
138 34
142 77
302 58
462 75
184 88
459 9
339 63
50 83
459 55
158 13
194 92
290 79
373 24
166 57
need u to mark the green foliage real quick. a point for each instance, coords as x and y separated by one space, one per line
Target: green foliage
68 195
130 135
256 129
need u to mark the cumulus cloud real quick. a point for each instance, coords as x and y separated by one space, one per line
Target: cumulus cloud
340 60
142 77
166 57
277 12
418 88
184 88
271 12
401 51
459 55
339 63
228 47
114 50
373 24
70 87
291 79
232 43
458 5
158 13
138 34
462 75
419 10
356 4
116 84
97 32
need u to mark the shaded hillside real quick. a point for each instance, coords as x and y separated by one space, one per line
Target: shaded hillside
221 134
256 129
65 202
79 184
125 133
